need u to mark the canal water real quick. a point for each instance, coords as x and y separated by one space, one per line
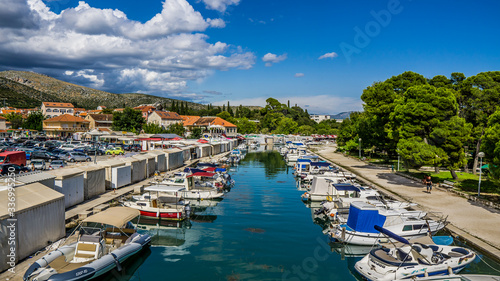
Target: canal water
260 231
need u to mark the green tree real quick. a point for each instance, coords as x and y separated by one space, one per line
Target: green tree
195 133
129 120
306 130
107 111
226 116
176 128
152 128
430 115
15 119
246 127
34 121
286 126
491 145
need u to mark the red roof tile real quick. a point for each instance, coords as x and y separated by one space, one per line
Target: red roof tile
167 115
66 118
58 104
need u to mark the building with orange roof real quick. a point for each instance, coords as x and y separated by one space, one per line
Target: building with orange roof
64 126
214 126
53 109
146 110
164 118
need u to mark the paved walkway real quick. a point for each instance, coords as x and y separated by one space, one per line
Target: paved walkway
472 222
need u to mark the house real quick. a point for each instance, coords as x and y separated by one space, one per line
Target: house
3 123
146 110
164 118
64 126
216 126
53 109
101 107
100 121
78 112
318 118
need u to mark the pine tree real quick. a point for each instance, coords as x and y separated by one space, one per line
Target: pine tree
288 103
223 107
172 106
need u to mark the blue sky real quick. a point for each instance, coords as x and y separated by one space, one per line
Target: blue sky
242 51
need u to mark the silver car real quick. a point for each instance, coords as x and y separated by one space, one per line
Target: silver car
56 164
77 157
38 164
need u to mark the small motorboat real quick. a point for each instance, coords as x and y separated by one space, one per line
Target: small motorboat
99 244
412 260
152 204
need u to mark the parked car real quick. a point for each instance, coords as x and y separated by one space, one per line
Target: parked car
115 151
94 150
4 169
38 164
42 155
74 156
56 164
67 147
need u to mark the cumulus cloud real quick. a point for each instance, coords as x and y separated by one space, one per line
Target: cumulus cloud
328 55
270 58
104 49
219 5
317 104
299 74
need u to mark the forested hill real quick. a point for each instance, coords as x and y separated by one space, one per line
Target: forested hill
29 89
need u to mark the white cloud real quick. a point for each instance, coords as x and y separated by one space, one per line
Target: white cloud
318 104
103 48
328 55
299 74
270 58
219 5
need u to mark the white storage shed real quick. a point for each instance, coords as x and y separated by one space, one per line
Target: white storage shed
175 158
69 181
94 181
161 160
38 220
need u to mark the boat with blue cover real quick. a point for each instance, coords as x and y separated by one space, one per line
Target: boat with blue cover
359 229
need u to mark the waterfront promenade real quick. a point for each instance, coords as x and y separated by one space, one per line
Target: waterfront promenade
477 224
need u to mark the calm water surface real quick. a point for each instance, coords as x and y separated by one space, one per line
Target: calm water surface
260 231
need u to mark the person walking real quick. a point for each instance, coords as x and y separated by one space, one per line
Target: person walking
428 183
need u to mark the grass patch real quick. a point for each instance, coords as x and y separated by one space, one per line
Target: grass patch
466 181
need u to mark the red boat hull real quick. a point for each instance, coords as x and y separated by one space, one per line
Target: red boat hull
163 215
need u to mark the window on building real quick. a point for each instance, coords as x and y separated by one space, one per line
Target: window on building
55 110
48 110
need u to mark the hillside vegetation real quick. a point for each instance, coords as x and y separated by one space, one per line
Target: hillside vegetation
28 89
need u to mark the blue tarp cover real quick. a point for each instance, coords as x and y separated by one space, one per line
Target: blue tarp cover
220 169
346 187
193 170
364 220
320 164
303 160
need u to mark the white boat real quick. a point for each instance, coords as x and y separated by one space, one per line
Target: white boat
412 260
101 243
460 277
363 217
195 188
152 204
330 189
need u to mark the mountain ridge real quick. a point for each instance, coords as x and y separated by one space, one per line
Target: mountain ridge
25 89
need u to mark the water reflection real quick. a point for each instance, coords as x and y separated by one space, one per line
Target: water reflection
273 162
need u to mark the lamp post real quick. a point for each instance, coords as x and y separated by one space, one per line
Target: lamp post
480 155
359 148
398 161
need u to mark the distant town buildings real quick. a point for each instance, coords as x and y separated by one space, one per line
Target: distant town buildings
318 118
100 121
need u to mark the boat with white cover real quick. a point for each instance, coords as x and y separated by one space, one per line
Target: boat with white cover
412 260
99 244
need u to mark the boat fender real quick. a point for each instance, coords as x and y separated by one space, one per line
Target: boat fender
117 262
